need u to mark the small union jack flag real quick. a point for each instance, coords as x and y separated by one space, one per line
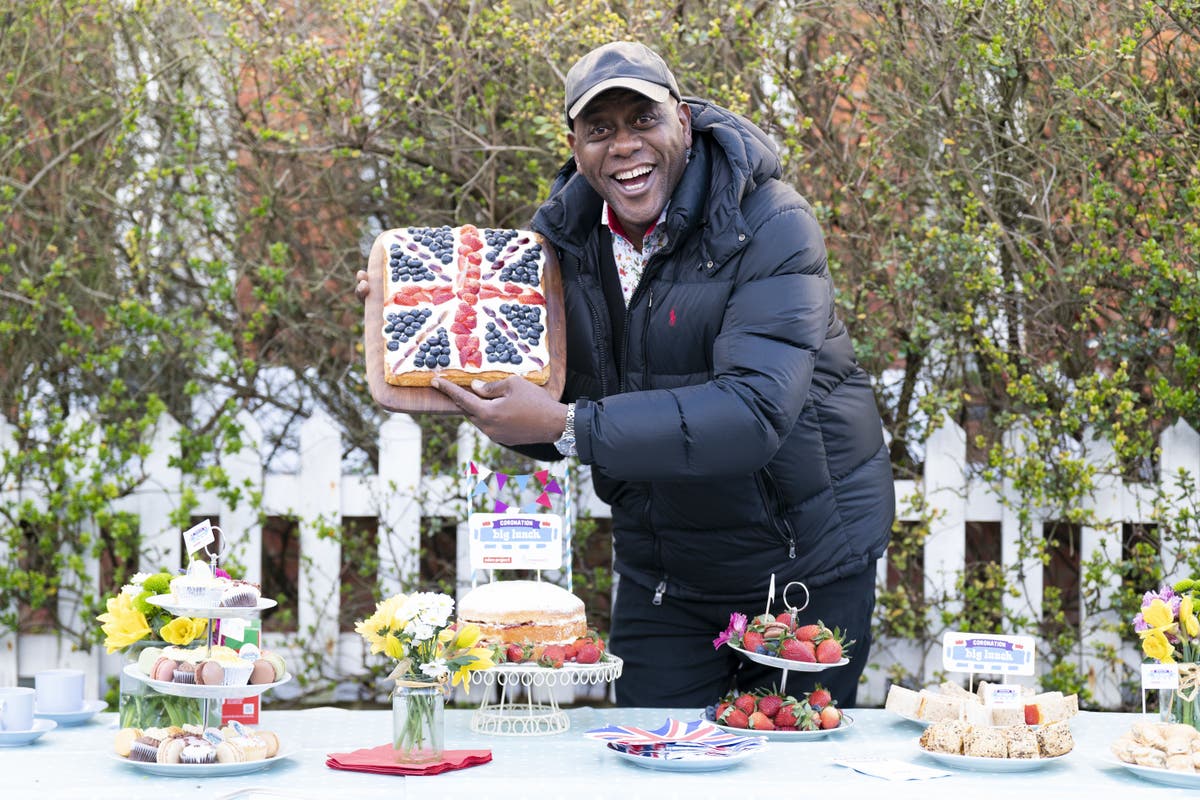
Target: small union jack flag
675 735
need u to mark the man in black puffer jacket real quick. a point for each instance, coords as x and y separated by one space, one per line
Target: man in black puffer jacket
710 385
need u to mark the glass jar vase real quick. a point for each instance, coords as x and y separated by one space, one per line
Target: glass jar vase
418 721
1182 705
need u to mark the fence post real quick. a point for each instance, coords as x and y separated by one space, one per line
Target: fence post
946 498
399 502
1104 540
320 555
240 522
1180 461
9 493
1028 598
158 496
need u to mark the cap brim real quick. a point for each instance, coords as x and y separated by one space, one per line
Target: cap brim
654 91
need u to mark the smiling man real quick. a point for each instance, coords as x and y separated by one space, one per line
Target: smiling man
710 385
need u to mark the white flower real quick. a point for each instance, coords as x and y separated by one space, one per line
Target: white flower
134 587
419 631
436 669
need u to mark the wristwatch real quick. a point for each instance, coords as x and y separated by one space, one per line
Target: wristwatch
566 442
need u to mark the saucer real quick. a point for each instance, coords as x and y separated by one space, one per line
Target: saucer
18 738
79 716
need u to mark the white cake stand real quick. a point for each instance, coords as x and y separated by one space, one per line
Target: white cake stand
508 715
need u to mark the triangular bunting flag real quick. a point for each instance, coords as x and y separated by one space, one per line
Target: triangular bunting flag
522 481
543 500
484 473
500 508
472 468
500 479
480 488
532 508
553 488
542 475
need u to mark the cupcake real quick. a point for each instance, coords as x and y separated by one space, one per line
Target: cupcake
144 748
197 750
241 594
184 673
199 587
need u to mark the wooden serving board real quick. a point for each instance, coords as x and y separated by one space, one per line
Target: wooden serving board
423 399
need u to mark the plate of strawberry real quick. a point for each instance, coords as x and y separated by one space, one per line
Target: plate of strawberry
778 716
780 641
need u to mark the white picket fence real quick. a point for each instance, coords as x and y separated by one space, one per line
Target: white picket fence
319 494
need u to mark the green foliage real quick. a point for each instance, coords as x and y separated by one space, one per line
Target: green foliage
1007 192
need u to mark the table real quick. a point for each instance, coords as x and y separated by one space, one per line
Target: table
77 762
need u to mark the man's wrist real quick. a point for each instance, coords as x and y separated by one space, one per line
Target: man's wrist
566 443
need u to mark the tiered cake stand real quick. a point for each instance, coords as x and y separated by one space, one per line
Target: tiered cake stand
508 715
206 693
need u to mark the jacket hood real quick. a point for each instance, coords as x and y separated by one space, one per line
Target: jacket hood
731 156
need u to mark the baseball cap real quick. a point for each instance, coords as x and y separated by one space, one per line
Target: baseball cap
618 65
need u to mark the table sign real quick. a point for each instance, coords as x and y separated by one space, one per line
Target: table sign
198 537
515 541
1159 676
1003 695
996 654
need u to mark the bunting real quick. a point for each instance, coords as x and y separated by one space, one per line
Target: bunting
488 483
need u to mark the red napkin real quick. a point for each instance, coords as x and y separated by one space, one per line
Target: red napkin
382 761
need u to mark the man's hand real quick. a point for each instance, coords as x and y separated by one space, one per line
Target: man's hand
361 287
511 411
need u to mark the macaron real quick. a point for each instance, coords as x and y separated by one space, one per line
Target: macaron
164 669
124 741
210 673
263 672
147 659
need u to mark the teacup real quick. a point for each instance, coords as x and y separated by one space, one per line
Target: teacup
16 708
59 690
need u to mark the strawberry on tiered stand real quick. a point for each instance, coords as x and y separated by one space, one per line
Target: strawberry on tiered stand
781 641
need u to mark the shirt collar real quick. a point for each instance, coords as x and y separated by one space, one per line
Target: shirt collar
614 225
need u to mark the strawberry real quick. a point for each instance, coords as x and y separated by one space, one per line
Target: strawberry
797 650
720 709
761 722
735 718
747 703
770 704
752 641
553 655
785 718
829 651
514 654
818 698
587 654
786 619
806 633
831 717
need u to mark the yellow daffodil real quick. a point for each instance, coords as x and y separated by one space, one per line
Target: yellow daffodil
1187 617
480 658
392 646
183 630
1156 646
122 623
1158 615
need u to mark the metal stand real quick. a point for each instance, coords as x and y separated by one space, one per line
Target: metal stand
509 716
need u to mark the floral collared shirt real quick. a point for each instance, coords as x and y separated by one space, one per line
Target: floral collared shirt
630 262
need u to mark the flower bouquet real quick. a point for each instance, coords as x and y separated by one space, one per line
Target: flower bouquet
1170 633
130 625
417 631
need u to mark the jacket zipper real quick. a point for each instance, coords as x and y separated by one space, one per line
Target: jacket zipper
775 510
597 329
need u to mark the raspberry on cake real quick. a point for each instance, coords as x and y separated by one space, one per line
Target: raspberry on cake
524 612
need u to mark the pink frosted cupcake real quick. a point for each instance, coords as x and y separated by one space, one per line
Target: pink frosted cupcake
185 673
241 594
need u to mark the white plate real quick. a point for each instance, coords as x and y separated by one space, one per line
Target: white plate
980 764
18 738
204 770
1188 780
66 719
167 602
211 692
693 763
789 736
786 663
924 723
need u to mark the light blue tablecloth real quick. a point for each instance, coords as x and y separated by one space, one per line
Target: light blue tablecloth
78 762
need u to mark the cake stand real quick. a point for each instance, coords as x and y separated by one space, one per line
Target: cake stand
507 715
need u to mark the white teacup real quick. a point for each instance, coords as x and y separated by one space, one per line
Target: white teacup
59 690
16 708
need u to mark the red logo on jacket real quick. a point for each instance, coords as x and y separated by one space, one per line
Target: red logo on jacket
671 318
